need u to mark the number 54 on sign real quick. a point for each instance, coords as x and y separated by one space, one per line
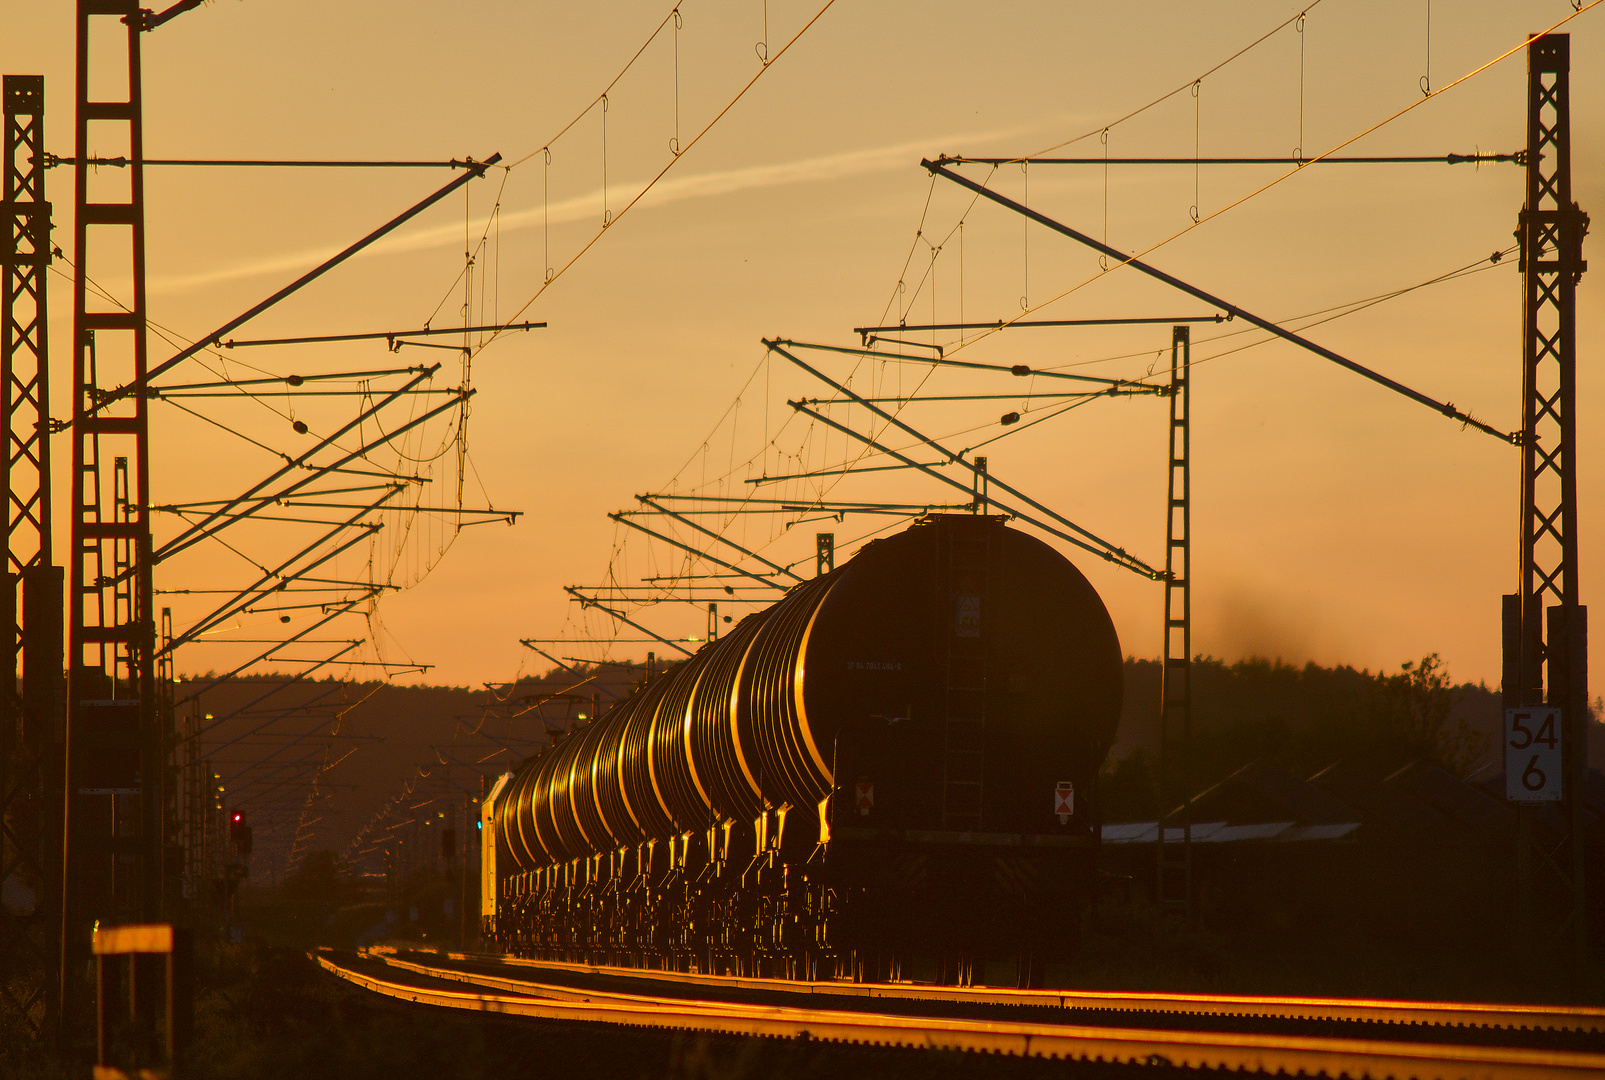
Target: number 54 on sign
1533 754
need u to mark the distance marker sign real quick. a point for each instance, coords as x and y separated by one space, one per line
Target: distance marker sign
1533 754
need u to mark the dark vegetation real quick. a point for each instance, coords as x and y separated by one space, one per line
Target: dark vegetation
1420 901
1304 718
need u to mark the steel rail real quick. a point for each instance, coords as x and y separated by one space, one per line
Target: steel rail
531 988
1204 1050
1581 1018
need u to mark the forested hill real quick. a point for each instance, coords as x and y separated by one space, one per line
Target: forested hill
377 750
381 740
1304 714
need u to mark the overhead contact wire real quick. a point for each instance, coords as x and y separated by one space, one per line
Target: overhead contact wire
664 171
1126 259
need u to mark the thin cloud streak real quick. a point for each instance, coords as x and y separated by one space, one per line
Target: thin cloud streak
589 206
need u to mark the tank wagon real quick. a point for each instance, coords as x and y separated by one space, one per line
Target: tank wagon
889 773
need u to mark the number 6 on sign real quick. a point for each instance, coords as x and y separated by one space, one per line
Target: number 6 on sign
1533 754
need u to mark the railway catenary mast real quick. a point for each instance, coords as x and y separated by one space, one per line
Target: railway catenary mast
30 738
1551 231
114 762
841 785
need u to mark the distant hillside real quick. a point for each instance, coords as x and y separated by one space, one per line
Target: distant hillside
433 744
1259 691
1305 719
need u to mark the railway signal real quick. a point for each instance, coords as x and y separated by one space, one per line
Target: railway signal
239 833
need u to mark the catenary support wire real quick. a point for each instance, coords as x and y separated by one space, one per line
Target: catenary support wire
1447 409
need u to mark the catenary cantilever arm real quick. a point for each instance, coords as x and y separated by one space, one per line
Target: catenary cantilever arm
1098 545
215 337
622 519
647 500
586 601
1447 409
1130 562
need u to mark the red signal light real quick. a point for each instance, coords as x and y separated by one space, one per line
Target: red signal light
240 833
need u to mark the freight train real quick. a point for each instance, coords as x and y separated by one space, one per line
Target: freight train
890 773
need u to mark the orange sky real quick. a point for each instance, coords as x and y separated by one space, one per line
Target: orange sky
1334 521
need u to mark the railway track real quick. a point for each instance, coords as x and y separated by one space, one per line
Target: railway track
890 1015
1559 1018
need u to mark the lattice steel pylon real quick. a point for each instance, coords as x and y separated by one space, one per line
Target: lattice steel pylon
115 757
1175 871
30 742
1545 623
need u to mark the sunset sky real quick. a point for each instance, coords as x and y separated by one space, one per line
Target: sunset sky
1334 520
